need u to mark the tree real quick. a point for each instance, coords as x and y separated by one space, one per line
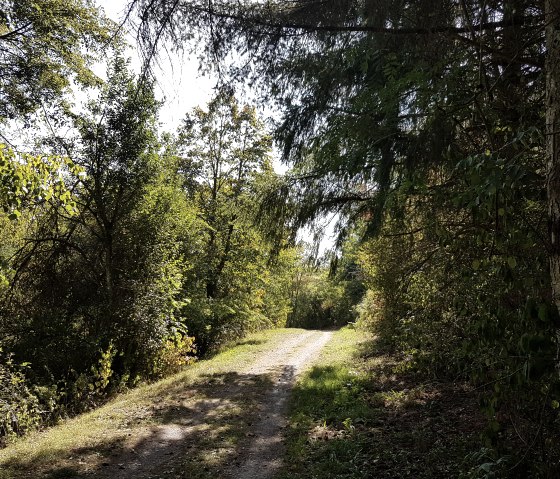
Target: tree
119 148
228 147
135 265
106 280
552 20
367 86
225 160
46 45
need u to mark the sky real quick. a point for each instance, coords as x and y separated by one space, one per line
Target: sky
178 80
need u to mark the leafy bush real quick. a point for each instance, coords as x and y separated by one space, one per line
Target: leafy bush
176 352
20 410
319 301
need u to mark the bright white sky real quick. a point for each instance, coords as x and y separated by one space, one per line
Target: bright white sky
179 82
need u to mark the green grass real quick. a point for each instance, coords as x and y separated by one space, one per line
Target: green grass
360 414
89 439
327 405
355 414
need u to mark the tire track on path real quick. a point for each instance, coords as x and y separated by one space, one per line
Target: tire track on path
263 456
255 394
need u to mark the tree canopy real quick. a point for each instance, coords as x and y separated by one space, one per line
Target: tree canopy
371 92
47 45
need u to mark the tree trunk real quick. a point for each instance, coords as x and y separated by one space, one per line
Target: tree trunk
552 20
109 279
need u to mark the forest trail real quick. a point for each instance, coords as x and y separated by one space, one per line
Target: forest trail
259 453
262 456
227 424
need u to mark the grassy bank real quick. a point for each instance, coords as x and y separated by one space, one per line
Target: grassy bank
90 441
361 414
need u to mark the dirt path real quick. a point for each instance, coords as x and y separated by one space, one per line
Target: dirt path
262 457
228 427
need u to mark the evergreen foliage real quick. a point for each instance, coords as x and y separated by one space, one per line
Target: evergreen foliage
423 126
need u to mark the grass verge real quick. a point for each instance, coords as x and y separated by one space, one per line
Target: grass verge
360 414
211 394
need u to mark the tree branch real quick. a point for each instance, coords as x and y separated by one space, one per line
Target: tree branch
438 29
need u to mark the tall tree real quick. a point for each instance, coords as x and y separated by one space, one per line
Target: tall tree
380 95
107 277
365 84
227 147
552 20
240 277
119 148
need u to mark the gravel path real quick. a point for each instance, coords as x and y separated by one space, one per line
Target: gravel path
253 398
263 456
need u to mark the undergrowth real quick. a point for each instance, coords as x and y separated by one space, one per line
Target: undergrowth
361 414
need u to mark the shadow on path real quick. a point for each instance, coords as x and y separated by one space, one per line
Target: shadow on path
197 435
222 425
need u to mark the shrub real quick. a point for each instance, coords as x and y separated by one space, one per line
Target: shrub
19 406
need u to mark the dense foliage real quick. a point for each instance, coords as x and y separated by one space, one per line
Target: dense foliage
133 251
326 292
156 258
241 280
430 128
